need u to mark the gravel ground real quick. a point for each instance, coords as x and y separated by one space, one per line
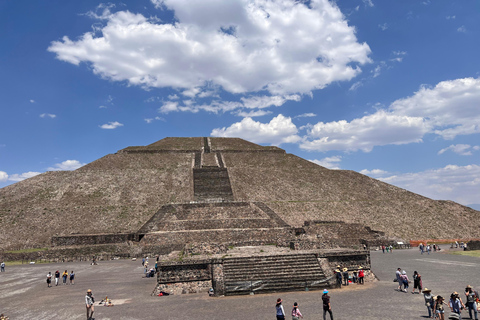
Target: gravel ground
24 293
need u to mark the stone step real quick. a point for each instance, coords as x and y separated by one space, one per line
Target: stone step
270 258
236 288
206 224
287 276
272 264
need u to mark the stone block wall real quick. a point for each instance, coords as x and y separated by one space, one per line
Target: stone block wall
92 239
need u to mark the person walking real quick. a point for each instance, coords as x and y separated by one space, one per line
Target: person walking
472 297
438 307
296 314
456 305
64 277
405 280
420 247
427 295
417 282
398 275
89 301
72 277
2 266
280 313
57 277
327 307
49 279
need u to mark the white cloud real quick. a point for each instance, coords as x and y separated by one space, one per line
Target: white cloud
457 183
251 114
383 27
329 162
374 172
462 29
102 107
150 120
48 115
282 47
32 101
305 115
22 176
355 86
279 130
450 17
111 125
461 149
3 176
378 129
399 53
66 165
368 3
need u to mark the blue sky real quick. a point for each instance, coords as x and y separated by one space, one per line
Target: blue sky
390 89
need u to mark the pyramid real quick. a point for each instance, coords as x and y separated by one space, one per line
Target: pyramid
230 187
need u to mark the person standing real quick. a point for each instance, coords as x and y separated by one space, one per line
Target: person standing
472 296
296 314
456 304
89 301
72 277
2 267
338 275
280 313
361 276
345 276
57 277
417 282
398 275
327 307
420 247
49 279
405 280
427 295
64 277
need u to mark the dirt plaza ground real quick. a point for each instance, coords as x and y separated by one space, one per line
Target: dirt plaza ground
24 293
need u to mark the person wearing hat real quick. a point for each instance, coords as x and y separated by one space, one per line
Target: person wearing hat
326 304
438 307
279 310
456 304
361 275
405 280
472 296
338 275
427 295
345 276
296 312
89 301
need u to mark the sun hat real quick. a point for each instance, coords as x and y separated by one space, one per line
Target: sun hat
337 270
345 269
325 291
404 272
89 290
469 287
360 268
427 290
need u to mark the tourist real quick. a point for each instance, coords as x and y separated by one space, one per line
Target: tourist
2 267
89 301
279 310
383 249
345 276
326 304
391 248
438 307
456 304
143 262
338 275
387 248
420 247
398 275
64 276
427 295
405 280
354 276
57 277
296 312
472 297
361 276
49 279
428 249
72 277
417 282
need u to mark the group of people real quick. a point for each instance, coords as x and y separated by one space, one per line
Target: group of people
403 281
149 272
428 248
56 276
387 248
436 304
357 276
296 314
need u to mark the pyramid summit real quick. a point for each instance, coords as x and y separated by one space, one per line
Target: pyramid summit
224 185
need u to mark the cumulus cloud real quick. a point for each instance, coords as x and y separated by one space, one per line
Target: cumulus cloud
279 130
457 183
374 172
48 115
329 162
111 125
461 149
282 47
66 165
3 176
23 176
448 109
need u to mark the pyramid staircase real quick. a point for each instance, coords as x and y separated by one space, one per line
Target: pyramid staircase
262 274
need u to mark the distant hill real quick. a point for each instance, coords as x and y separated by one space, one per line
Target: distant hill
120 192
